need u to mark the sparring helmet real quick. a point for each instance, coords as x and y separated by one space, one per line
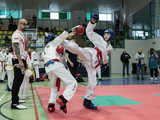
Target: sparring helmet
111 32
96 17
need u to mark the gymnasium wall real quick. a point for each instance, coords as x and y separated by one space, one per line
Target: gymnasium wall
116 65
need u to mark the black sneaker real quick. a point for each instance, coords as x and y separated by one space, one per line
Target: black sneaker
62 102
31 79
89 105
51 107
38 80
100 79
2 81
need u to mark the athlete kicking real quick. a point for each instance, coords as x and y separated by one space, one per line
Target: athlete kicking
91 58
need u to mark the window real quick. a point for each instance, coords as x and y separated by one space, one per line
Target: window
88 16
68 15
14 13
105 17
63 16
158 32
46 14
146 34
8 13
139 33
2 14
134 33
54 15
102 17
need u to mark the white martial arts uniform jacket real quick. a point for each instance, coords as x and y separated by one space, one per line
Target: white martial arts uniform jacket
9 65
35 58
18 37
50 51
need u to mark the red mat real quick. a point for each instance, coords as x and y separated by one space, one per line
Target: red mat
145 94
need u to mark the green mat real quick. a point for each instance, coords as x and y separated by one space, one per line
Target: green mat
158 94
113 100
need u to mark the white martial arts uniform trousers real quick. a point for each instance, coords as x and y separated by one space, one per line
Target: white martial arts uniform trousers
25 84
98 70
36 68
35 63
89 59
2 70
66 77
3 58
10 74
9 70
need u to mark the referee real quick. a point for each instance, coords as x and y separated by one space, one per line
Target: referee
19 44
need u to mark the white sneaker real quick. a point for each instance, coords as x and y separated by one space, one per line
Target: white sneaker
19 107
151 78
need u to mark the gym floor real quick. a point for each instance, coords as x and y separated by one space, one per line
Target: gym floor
126 99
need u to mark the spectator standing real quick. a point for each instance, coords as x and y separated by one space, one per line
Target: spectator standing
153 64
139 57
125 61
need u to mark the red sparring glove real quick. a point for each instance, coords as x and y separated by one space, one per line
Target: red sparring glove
60 49
78 29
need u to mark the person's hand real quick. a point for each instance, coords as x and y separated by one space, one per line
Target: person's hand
71 34
105 66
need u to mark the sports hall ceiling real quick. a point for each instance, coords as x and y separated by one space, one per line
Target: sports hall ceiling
71 5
